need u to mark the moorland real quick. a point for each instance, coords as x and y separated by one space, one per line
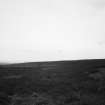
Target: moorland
75 82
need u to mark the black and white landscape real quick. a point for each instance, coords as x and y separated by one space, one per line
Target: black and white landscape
76 82
52 52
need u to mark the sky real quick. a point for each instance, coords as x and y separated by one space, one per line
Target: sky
49 30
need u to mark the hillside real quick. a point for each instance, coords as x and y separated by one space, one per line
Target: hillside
77 82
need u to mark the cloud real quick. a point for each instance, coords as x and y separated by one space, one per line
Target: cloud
97 4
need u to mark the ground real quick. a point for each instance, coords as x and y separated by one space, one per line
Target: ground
53 83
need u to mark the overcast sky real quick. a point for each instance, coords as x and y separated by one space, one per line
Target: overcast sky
45 30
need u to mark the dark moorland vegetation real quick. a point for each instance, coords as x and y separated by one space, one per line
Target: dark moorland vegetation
80 82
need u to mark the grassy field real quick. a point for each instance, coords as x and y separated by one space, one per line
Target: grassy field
78 82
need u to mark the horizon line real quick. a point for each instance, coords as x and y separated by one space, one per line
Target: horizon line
42 61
